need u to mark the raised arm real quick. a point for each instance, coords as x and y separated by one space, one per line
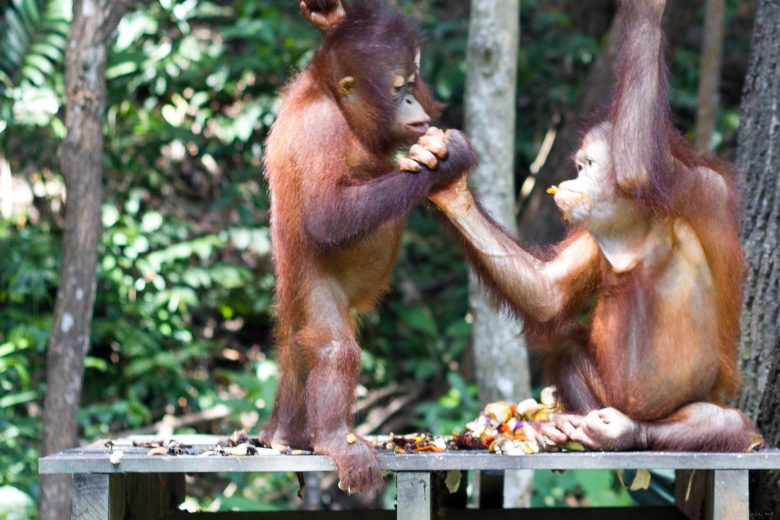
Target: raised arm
347 210
640 114
538 290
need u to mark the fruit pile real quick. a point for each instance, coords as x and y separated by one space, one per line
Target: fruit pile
500 428
510 429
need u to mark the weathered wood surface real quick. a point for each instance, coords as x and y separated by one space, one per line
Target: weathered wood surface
95 459
730 493
143 496
92 499
414 495
601 513
713 494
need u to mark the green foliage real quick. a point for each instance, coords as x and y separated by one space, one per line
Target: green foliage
15 504
33 40
595 488
33 34
28 277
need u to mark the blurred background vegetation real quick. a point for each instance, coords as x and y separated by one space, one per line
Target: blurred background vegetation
182 325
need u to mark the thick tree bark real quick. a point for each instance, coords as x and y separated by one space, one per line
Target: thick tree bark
709 74
499 350
758 169
540 221
81 155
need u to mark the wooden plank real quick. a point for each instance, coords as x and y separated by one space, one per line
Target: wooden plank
98 497
152 495
135 460
588 513
729 495
312 494
604 513
413 495
713 494
370 514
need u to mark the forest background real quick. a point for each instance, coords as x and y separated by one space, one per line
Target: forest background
181 334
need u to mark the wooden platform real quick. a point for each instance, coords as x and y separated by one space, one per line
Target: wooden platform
106 490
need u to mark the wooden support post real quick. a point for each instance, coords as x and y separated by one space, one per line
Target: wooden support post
98 496
312 495
713 494
729 495
153 495
413 495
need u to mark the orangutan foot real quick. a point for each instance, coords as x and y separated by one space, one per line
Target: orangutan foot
358 468
607 429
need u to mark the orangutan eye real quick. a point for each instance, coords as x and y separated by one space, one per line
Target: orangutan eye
399 82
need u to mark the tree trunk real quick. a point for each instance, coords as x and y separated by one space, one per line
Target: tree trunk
540 220
758 169
81 156
709 74
499 351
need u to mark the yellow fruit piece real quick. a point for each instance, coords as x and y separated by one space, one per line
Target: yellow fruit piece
239 451
552 190
500 411
157 451
351 438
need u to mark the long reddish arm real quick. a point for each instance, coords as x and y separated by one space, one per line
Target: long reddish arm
538 290
640 115
348 210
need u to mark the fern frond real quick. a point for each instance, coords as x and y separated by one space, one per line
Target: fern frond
33 35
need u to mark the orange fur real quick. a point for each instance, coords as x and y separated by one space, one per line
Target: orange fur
658 252
338 204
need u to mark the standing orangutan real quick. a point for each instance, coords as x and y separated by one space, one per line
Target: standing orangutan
338 203
656 249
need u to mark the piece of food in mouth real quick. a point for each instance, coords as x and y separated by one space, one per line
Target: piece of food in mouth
552 190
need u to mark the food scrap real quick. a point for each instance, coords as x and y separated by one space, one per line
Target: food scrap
161 447
510 429
417 443
116 457
552 190
239 444
500 428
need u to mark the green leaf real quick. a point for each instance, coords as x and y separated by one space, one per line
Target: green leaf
32 41
14 399
420 319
